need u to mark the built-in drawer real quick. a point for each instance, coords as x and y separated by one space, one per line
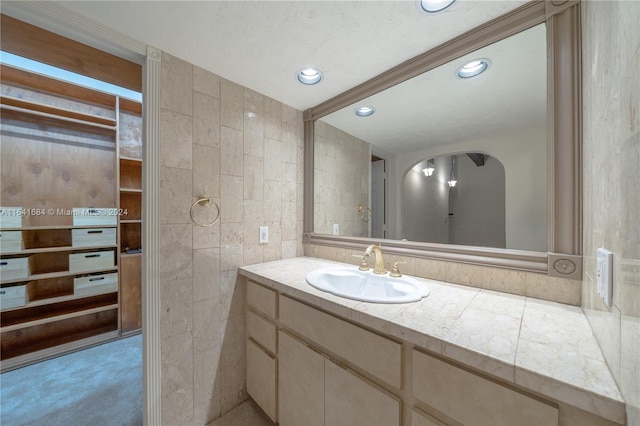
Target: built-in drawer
95 284
81 262
13 297
14 268
472 399
262 299
262 331
371 352
93 237
11 217
261 379
11 241
89 216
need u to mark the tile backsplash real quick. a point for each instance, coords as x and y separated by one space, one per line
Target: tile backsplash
516 282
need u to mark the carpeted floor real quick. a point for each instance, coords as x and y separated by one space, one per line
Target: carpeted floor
99 386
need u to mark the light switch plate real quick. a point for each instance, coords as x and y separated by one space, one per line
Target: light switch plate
604 274
264 234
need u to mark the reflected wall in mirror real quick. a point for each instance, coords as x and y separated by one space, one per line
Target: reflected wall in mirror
501 113
462 201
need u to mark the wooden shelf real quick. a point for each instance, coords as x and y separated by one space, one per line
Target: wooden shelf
46 320
131 190
56 275
63 115
57 350
54 249
131 221
123 254
131 161
51 300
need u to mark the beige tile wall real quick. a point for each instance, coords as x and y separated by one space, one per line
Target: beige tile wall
342 168
246 152
611 173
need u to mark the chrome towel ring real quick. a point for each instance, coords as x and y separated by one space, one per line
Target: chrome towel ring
205 201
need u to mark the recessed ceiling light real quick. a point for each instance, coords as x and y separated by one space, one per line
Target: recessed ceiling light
309 75
434 6
365 111
473 68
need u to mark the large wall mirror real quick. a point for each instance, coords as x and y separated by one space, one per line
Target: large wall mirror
483 169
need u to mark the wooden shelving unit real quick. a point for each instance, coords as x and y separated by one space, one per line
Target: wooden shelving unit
50 302
130 239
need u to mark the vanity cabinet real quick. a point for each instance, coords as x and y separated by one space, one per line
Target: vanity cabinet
323 375
301 390
307 366
369 351
262 362
471 399
315 390
352 400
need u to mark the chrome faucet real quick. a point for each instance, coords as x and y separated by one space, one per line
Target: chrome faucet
379 264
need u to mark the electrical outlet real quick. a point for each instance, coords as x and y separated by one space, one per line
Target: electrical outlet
336 229
604 274
264 234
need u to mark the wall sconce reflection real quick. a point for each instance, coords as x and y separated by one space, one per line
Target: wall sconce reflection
431 167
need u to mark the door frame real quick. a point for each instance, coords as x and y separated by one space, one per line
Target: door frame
57 19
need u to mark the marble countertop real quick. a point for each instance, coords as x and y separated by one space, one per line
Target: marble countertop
543 346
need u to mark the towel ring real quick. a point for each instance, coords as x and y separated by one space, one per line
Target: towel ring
205 201
363 211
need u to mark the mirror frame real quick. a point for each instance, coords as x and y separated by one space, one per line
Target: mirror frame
564 142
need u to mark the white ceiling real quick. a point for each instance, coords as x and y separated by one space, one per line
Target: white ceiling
261 44
437 107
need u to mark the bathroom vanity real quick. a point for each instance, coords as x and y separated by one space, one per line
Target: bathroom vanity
462 355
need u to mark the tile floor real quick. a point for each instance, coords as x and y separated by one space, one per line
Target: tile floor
246 414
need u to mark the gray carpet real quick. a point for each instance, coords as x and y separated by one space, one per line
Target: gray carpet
99 386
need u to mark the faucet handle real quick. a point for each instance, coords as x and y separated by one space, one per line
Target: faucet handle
364 266
395 272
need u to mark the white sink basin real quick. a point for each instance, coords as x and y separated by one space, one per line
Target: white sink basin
366 286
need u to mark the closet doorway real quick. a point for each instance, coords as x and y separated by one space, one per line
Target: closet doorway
71 197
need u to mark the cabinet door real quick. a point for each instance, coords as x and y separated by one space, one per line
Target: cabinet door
261 378
474 400
301 383
351 401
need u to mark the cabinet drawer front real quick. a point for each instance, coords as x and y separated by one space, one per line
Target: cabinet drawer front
471 399
261 379
79 262
10 241
83 216
16 268
93 237
262 299
369 351
261 330
10 217
13 297
95 284
366 404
